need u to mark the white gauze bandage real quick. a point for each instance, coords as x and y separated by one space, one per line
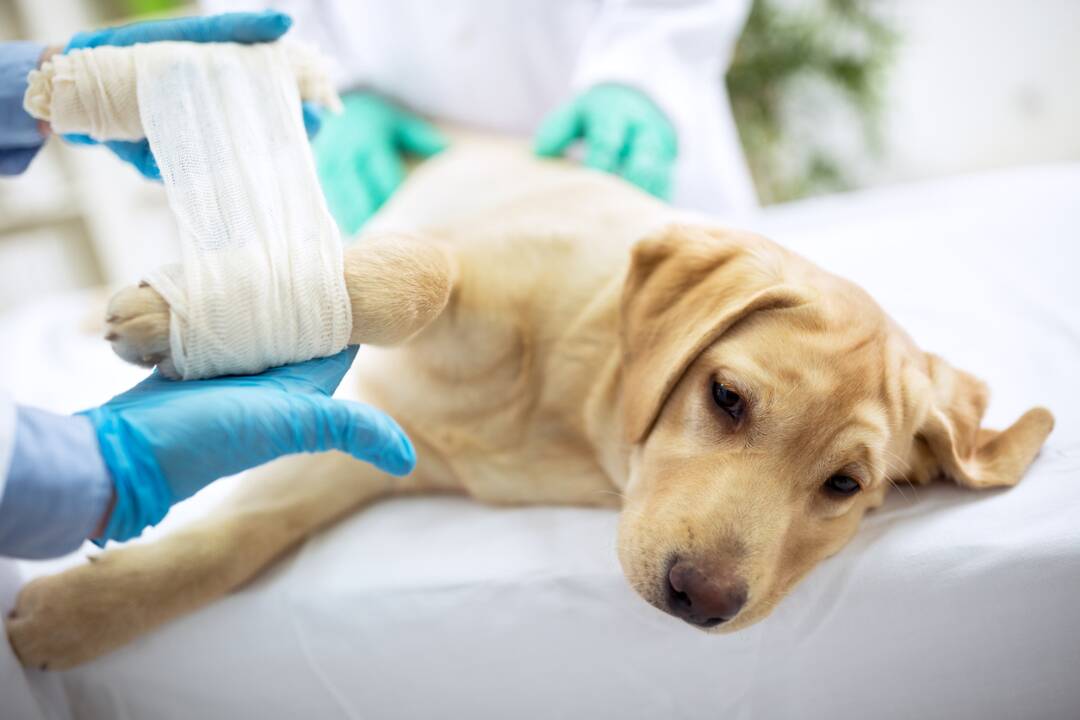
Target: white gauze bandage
261 281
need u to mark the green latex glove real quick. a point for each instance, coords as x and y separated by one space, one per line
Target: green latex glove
624 133
358 154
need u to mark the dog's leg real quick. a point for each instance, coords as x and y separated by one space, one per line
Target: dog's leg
397 285
66 619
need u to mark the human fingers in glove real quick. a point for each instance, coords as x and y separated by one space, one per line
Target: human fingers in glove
623 131
359 154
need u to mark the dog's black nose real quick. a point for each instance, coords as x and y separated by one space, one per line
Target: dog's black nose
702 600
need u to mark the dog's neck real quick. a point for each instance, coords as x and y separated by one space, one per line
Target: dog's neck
601 411
604 423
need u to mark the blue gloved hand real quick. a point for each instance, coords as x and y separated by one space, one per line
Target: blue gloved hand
229 27
164 440
624 133
358 155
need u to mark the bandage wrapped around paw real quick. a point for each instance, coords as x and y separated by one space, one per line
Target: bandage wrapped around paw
94 91
261 282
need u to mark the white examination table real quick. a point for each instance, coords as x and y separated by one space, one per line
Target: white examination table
948 603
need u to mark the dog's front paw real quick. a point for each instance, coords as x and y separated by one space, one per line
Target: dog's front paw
137 325
64 620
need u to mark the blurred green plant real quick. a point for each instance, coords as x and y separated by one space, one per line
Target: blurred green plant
843 47
137 8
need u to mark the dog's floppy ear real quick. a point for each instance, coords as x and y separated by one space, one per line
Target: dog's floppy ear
686 286
951 443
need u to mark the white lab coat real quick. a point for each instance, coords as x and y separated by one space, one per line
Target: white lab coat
503 65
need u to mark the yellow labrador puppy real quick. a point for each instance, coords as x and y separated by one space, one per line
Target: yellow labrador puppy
559 337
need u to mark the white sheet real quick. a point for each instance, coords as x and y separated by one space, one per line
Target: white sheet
947 604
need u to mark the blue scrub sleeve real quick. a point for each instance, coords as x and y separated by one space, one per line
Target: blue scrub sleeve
57 486
20 138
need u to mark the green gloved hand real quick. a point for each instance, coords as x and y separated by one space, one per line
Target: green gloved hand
358 155
624 133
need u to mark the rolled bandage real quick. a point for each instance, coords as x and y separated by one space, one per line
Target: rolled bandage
261 282
93 91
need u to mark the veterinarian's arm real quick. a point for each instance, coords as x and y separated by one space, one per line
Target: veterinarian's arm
114 470
58 488
20 134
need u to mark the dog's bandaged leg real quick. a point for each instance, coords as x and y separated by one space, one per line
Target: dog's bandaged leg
261 282
93 91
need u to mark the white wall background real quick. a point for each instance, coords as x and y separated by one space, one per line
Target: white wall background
77 217
981 84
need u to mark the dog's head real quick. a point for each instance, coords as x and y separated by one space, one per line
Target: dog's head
768 405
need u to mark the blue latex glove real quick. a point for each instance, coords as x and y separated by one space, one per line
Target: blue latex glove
358 155
229 27
164 440
624 133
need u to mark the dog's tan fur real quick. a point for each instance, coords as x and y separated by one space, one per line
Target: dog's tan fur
561 338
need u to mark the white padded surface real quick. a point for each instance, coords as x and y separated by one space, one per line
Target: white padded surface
948 604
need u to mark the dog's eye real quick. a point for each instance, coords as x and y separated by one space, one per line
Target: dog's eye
842 485
728 400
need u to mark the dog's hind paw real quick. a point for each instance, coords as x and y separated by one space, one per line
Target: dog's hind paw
137 325
61 621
